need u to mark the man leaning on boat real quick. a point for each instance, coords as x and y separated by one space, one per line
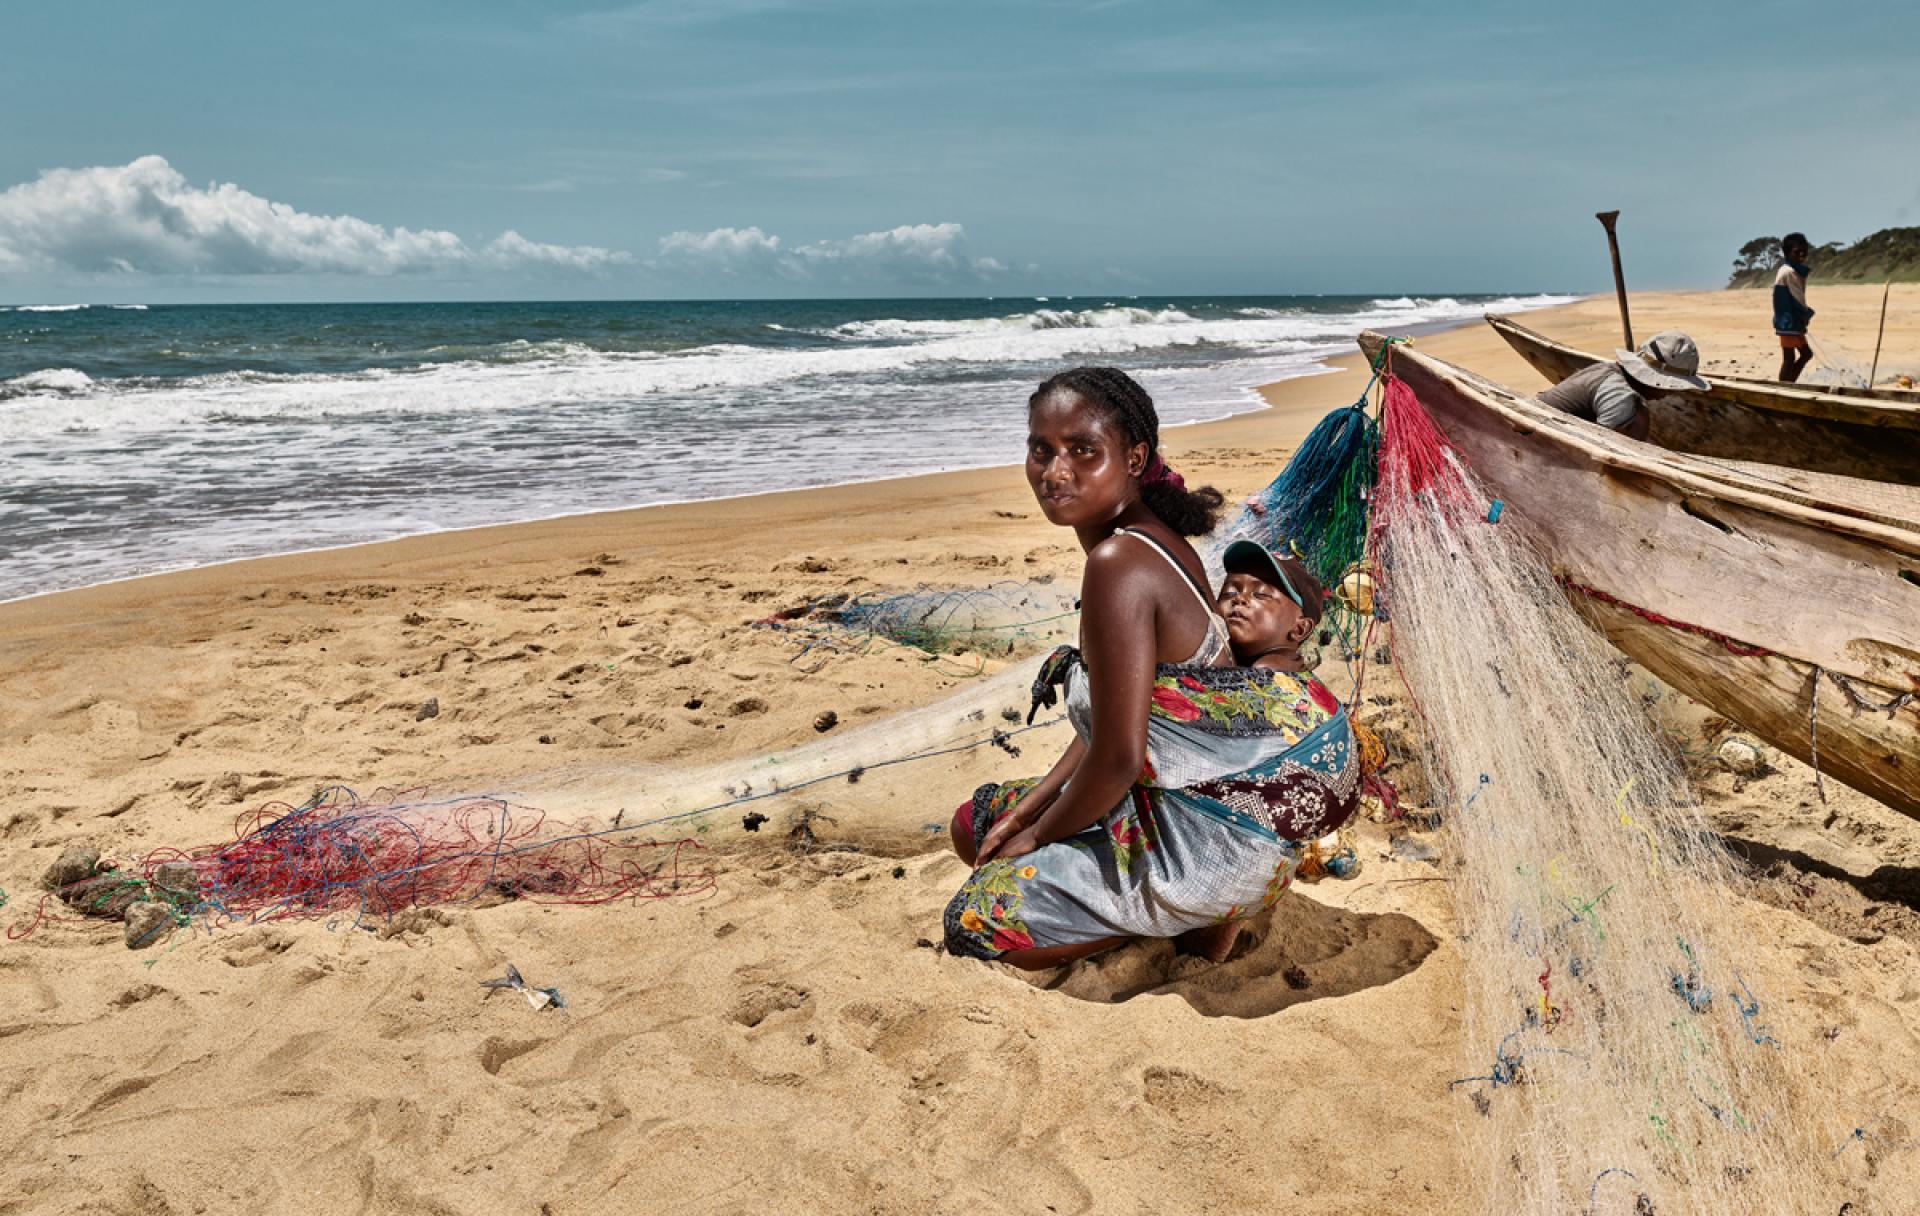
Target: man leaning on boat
1614 394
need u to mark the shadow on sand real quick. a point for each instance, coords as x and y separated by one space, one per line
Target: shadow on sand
1302 951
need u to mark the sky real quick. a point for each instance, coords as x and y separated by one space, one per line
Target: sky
540 149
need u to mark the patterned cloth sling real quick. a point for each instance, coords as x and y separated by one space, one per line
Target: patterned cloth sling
1244 765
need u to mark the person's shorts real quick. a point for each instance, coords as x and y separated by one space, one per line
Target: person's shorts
1793 341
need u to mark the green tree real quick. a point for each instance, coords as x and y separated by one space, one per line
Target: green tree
1760 253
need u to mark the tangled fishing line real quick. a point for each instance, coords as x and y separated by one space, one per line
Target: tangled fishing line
338 856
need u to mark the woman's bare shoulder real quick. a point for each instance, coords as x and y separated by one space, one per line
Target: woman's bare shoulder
1120 557
1128 567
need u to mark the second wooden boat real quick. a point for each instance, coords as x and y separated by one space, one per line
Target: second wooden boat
1786 600
1874 438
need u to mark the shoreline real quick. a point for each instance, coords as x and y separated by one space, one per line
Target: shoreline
1264 399
1258 405
1287 409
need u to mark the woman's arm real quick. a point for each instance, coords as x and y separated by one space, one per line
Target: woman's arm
1031 804
1045 790
1118 623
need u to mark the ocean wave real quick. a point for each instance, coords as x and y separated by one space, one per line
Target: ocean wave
563 375
1518 303
46 308
519 350
128 307
62 380
895 329
467 387
1403 303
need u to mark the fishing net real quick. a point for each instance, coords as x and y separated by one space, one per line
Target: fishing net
1317 507
1618 1060
1839 367
956 628
336 855
360 862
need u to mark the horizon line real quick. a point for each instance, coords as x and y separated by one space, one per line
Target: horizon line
1040 297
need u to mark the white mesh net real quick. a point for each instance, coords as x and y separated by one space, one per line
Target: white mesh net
1617 1058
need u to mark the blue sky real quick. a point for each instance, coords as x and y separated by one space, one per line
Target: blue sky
879 147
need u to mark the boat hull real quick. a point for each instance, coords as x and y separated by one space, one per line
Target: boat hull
1773 697
1853 436
1646 534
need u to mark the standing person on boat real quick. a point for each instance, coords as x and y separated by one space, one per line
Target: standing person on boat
1614 394
1168 814
1790 311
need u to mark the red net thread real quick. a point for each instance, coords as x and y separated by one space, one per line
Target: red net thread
1415 459
336 855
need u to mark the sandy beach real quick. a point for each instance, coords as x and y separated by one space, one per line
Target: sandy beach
790 1040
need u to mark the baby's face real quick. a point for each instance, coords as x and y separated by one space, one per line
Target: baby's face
1259 615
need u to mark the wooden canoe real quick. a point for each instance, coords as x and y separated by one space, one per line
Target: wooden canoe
1876 438
1790 600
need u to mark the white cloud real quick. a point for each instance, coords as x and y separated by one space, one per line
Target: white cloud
145 218
911 253
511 251
729 251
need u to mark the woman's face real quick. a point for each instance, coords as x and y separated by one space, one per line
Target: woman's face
1079 463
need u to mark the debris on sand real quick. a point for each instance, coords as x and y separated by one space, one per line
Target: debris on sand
539 998
147 922
75 864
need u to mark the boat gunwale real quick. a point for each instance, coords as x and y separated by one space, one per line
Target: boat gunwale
1677 468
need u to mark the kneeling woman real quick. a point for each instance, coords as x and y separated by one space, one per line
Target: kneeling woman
1174 811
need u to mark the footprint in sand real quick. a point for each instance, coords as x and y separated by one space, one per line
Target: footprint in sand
496 1053
756 1005
1177 1091
258 948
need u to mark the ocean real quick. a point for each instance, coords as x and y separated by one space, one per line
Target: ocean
140 439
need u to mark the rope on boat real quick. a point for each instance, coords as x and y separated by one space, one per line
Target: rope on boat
1813 731
1859 704
1733 645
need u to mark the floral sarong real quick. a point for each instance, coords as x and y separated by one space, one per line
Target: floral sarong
1243 766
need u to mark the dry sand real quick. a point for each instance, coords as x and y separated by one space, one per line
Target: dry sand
791 1042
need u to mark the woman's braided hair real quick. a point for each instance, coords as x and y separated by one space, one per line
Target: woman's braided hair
1188 512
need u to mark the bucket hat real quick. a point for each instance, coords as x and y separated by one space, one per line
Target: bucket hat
1668 360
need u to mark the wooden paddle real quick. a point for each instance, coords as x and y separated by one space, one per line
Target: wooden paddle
1607 219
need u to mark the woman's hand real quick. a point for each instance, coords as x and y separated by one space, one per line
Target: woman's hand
1026 812
1006 839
